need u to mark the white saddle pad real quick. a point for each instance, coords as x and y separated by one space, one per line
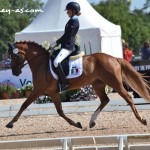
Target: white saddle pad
75 68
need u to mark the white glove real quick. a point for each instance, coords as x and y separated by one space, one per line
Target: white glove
53 44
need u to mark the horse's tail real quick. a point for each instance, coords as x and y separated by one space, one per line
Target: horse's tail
134 79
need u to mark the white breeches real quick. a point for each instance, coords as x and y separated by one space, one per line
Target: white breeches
61 56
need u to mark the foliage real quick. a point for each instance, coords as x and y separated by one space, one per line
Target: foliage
65 96
134 25
85 93
15 22
28 87
146 5
43 99
7 87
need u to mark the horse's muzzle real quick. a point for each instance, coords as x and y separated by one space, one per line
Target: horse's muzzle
16 72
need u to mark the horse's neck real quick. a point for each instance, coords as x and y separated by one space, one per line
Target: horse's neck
36 59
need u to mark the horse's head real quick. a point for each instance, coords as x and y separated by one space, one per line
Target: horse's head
17 59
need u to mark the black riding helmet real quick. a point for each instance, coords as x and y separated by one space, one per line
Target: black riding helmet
73 6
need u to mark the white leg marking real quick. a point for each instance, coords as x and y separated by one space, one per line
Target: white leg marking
94 116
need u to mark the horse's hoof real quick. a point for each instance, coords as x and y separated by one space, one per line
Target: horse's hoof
92 124
9 125
144 121
79 125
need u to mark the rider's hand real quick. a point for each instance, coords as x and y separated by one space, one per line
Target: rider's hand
53 44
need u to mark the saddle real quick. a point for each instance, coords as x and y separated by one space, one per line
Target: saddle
65 63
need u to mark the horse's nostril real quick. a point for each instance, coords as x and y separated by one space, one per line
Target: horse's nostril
16 72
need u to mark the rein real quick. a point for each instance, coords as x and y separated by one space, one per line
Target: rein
24 64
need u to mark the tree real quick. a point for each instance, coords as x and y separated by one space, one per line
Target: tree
146 5
13 19
134 25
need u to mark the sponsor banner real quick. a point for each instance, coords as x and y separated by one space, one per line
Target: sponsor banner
141 65
23 79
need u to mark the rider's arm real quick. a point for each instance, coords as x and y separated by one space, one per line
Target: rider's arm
69 31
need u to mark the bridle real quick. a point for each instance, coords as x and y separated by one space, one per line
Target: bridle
16 56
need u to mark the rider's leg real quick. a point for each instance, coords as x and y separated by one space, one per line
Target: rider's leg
57 63
61 56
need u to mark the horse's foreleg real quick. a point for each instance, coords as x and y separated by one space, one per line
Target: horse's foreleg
58 105
28 101
99 88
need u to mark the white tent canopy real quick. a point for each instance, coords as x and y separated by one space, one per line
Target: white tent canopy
96 33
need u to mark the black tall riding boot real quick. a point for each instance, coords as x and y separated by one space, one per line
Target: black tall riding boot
62 81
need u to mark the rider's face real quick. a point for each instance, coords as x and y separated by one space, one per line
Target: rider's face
70 13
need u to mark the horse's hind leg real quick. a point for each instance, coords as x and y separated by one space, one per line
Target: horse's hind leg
99 88
122 92
57 103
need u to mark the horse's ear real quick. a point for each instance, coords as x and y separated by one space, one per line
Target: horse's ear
10 47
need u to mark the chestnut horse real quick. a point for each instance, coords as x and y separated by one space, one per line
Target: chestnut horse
99 70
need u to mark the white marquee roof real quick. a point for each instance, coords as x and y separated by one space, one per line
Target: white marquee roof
54 18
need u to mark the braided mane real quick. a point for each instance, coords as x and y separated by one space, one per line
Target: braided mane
31 42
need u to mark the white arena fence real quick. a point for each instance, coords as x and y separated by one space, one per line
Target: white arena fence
72 107
113 142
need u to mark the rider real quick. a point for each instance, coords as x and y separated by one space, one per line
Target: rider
67 42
